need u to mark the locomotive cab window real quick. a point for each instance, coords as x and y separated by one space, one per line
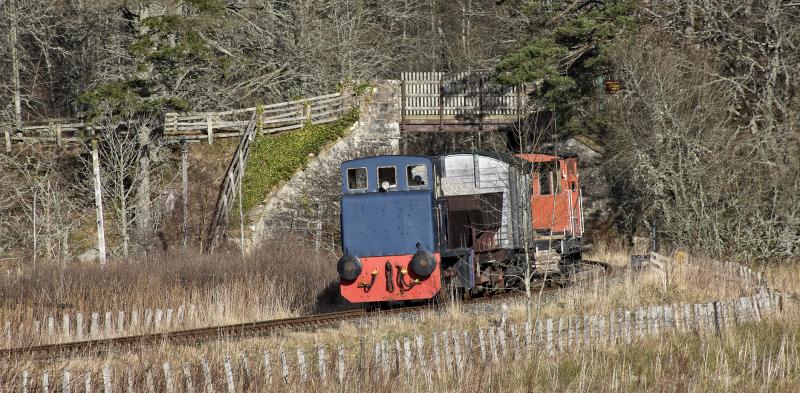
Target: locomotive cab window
417 175
544 183
387 178
357 178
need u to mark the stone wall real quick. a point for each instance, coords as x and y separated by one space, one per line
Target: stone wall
308 203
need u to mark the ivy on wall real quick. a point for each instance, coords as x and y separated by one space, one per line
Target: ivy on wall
274 159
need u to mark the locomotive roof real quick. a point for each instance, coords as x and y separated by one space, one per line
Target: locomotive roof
525 160
505 157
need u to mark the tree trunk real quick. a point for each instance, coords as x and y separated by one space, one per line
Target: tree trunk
98 202
144 214
15 65
125 229
185 181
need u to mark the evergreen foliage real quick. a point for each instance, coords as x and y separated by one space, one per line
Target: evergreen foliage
566 52
165 51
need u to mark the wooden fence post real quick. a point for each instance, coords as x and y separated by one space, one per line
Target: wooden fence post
45 382
187 376
527 339
108 387
95 325
457 352
51 326
587 330
549 345
627 327
151 386
267 369
385 366
321 364
108 322
482 345
448 359
87 382
65 383
159 317
207 376
420 346
436 361
284 366
168 383
340 364
570 342
129 379
301 365
493 343
501 338
514 341
407 355
539 333
8 140
229 374
120 321
245 374
25 377
756 308
210 129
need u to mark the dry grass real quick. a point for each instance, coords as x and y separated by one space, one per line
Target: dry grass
281 279
750 357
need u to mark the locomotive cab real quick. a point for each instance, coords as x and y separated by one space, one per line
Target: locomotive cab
388 229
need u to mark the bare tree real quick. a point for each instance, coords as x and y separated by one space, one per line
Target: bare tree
39 210
685 154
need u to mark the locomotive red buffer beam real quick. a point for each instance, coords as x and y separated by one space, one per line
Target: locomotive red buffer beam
396 277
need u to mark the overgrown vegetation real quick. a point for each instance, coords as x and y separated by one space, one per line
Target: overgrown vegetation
281 278
273 159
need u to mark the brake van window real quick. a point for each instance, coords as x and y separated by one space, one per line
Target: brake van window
417 175
357 178
544 183
387 178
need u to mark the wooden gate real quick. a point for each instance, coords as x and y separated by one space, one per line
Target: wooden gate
460 102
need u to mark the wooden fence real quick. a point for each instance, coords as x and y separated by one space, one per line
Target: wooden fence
445 355
284 116
80 325
435 100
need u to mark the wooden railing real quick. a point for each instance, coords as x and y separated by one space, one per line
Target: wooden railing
284 116
464 94
435 101
279 117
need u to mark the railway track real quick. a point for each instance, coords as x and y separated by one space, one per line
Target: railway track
227 332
